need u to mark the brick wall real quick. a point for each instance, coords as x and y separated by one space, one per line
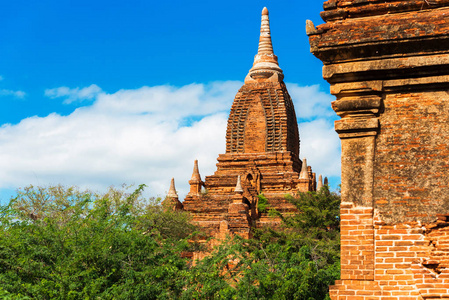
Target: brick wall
411 260
412 157
357 242
387 64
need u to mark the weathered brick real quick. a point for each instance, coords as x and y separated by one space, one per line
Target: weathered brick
387 62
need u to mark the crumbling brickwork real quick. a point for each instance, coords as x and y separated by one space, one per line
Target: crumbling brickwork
262 154
388 65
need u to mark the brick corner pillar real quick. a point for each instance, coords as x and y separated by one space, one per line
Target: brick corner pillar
357 130
387 63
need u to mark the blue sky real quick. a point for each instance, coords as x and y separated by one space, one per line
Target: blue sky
100 93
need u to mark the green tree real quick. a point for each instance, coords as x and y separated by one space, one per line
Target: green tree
61 243
298 260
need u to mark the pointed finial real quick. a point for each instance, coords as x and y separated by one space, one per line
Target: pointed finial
238 186
265 44
265 62
310 28
320 183
326 181
196 174
171 202
172 191
265 11
304 170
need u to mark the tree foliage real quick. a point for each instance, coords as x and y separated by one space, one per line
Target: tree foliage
63 243
58 243
299 260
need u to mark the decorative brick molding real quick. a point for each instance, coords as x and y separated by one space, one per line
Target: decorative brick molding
387 64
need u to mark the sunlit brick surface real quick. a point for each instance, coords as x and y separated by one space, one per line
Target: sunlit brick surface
387 64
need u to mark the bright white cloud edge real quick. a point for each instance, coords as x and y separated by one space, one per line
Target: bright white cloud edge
146 135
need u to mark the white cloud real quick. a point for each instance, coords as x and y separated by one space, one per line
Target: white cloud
320 144
131 136
17 94
146 135
76 94
169 102
13 93
310 102
319 141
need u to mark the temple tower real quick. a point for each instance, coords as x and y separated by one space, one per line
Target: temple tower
262 147
387 62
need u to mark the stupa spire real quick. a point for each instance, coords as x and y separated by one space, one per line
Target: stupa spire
265 62
320 183
265 44
172 200
196 173
195 182
304 170
172 191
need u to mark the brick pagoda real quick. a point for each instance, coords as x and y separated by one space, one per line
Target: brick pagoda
262 153
388 65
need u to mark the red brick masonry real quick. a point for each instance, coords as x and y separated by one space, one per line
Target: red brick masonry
388 66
